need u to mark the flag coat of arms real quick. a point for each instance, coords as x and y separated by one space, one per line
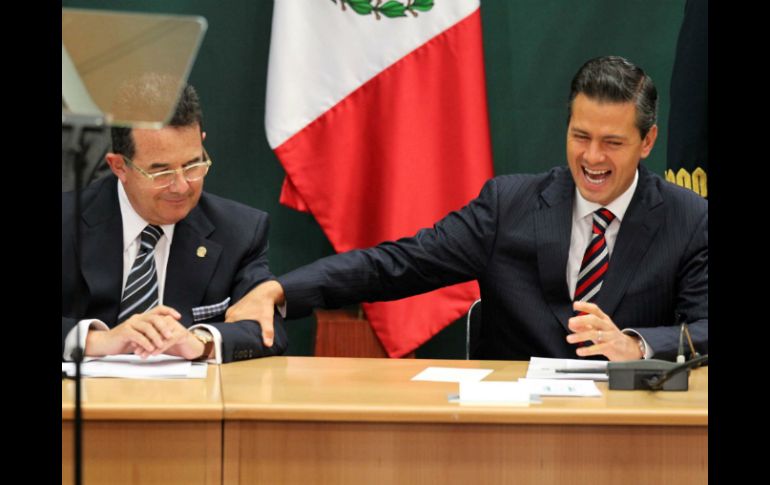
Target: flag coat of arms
377 112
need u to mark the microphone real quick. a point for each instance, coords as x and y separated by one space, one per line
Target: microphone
654 374
651 374
680 353
684 331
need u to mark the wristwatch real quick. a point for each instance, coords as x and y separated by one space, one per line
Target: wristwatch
206 339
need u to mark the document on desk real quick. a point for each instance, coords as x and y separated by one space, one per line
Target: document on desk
545 368
131 366
500 393
561 387
451 374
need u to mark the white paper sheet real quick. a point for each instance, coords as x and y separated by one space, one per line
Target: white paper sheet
545 368
131 366
451 374
561 387
494 392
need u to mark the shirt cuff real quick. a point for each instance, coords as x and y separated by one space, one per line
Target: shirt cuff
648 351
282 309
71 341
217 359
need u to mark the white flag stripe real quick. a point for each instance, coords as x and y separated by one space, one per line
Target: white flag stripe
308 74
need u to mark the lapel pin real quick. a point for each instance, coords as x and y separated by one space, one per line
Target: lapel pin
201 252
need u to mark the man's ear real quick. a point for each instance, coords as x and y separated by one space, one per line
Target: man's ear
117 165
203 136
649 141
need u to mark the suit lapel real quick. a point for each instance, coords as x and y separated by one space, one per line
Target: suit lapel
640 224
103 250
553 229
191 264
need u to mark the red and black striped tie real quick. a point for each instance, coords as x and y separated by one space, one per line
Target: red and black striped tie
596 259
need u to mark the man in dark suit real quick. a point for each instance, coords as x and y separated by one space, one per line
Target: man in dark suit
160 258
600 258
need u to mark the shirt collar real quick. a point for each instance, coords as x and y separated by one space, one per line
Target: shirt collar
584 208
133 223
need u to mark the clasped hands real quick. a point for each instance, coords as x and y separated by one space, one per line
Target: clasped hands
156 331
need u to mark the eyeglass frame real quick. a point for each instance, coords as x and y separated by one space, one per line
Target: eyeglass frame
152 176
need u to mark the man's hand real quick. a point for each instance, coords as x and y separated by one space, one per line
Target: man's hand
599 328
259 304
148 333
187 346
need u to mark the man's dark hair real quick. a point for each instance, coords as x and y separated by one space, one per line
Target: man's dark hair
616 80
187 113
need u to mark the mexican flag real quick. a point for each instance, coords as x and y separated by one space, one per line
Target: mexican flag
377 112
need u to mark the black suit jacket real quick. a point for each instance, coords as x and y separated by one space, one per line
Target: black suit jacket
235 238
514 239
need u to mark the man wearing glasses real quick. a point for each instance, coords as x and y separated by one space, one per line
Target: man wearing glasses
161 259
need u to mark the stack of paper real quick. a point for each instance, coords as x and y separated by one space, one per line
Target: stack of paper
133 367
522 392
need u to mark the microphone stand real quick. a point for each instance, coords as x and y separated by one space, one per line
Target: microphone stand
79 124
655 383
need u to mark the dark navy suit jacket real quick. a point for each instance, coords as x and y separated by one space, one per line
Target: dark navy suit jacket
514 239
235 238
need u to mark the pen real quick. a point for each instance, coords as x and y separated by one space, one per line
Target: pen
581 371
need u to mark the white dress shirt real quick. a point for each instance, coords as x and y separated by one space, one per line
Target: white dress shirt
133 225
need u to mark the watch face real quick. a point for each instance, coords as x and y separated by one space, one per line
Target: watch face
207 339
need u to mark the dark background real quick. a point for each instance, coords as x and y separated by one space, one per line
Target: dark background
532 50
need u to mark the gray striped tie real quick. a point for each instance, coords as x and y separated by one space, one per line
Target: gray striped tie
141 291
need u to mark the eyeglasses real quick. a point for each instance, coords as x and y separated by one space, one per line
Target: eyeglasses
160 180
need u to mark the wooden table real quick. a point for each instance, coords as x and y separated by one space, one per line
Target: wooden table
341 420
146 431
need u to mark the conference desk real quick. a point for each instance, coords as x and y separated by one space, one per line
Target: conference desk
343 420
315 420
146 431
